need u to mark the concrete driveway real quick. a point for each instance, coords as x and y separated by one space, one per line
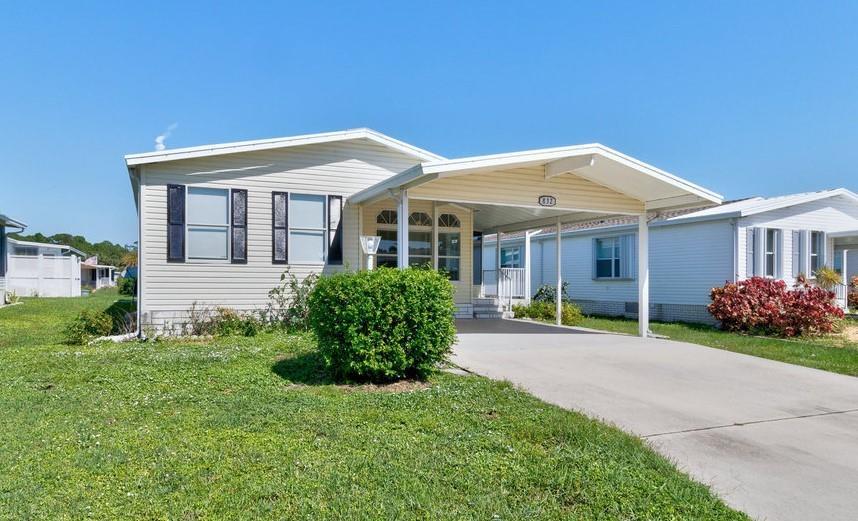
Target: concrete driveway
777 441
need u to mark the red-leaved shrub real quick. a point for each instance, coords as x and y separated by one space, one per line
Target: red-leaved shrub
766 306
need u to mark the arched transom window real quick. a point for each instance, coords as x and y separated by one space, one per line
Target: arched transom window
419 219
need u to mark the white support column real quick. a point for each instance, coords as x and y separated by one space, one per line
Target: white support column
559 294
643 276
435 236
527 267
402 230
498 239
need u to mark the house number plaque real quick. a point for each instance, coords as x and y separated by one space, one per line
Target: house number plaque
547 200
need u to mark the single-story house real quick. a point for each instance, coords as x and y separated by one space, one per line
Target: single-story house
6 222
96 276
218 224
42 269
691 251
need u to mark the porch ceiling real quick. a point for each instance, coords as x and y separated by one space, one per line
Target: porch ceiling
492 218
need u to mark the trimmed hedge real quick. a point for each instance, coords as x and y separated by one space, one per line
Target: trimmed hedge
384 324
570 314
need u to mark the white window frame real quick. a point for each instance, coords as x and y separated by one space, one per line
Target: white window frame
770 249
449 229
188 225
816 241
425 259
616 258
386 227
517 256
324 230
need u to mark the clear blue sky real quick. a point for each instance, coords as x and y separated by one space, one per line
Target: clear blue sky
745 98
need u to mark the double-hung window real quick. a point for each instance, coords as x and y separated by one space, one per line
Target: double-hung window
449 245
771 253
608 258
207 223
307 229
511 257
817 251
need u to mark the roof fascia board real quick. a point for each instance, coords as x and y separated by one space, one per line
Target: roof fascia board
274 143
414 176
777 205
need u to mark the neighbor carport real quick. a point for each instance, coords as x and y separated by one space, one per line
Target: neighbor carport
775 440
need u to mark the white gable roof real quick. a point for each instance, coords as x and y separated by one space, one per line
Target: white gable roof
48 245
755 205
174 154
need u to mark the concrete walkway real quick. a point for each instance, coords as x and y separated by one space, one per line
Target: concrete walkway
777 441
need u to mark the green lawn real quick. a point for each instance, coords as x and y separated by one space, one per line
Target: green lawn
252 428
832 353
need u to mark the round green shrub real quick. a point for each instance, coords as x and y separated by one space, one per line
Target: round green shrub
89 324
384 324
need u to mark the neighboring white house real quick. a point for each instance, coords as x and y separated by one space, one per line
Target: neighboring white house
44 270
218 224
6 222
690 252
96 276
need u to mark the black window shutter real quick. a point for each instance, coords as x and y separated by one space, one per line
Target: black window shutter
175 223
238 230
280 227
335 229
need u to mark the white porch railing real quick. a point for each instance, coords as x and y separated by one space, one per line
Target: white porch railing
509 285
841 293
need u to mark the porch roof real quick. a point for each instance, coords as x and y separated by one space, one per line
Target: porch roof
585 181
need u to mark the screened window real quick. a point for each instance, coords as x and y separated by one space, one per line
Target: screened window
307 228
816 251
419 239
449 245
771 253
387 248
608 258
511 257
838 262
208 223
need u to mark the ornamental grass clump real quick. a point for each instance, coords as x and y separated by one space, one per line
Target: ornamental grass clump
766 306
383 325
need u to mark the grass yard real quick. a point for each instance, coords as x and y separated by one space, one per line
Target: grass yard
251 428
835 353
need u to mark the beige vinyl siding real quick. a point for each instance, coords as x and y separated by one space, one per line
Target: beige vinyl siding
523 186
463 286
169 289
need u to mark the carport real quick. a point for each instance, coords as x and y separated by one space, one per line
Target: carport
541 188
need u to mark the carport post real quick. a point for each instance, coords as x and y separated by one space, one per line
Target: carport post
402 230
559 293
643 276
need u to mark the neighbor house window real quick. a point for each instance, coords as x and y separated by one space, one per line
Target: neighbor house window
511 257
449 245
208 223
817 249
771 253
608 258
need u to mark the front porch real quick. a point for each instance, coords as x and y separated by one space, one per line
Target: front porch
449 203
845 247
